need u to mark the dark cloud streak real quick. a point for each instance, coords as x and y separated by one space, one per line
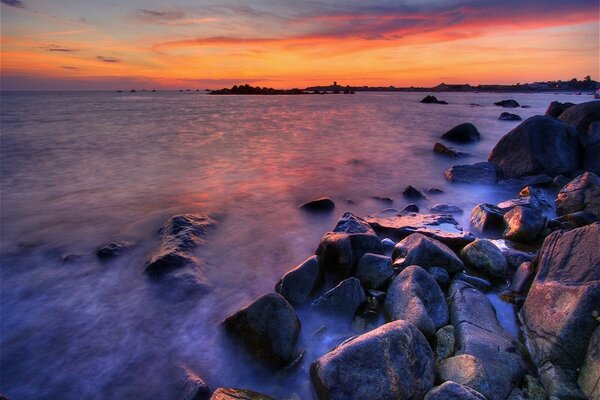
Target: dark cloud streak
107 59
13 3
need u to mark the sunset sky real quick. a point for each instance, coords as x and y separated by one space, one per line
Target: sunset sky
115 44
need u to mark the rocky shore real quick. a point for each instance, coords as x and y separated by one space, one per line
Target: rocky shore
415 286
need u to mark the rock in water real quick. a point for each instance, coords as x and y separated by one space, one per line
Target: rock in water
508 103
581 194
113 249
582 115
418 249
445 209
374 270
556 108
432 100
448 151
483 256
324 204
238 394
487 218
412 192
189 386
483 172
297 284
523 224
416 297
268 327
463 133
589 376
558 314
453 391
506 116
539 145
343 300
393 361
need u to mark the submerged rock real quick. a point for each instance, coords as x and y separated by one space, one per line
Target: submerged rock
418 249
483 173
324 204
412 192
506 116
238 394
581 194
393 361
445 209
581 116
463 133
483 256
268 327
342 301
453 391
416 297
432 100
556 108
539 145
523 224
507 103
448 151
113 249
297 284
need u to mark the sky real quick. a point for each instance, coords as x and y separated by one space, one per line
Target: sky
116 44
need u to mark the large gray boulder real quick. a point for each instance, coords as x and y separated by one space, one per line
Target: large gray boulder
582 115
393 361
479 334
343 300
539 145
591 152
559 312
416 297
297 284
589 376
340 250
418 249
268 327
581 194
453 391
483 172
374 270
465 370
483 256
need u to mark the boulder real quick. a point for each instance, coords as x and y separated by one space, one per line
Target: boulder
342 301
591 151
388 244
340 250
297 284
523 224
443 228
581 194
483 256
539 145
559 383
409 208
374 270
416 297
465 370
189 386
238 394
507 103
324 204
589 376
506 116
393 361
412 193
556 108
440 275
514 258
447 151
463 133
453 391
444 343
418 249
559 312
479 334
432 100
483 173
581 116
475 281
576 220
113 249
487 218
445 209
268 327
523 278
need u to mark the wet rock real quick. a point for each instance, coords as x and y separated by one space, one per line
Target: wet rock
514 258
560 181
487 218
479 334
434 191
465 370
483 172
483 256
189 386
589 376
576 220
387 200
591 152
410 208
447 151
506 116
167 259
523 278
463 133
238 394
581 194
558 314
113 249
342 301
443 228
523 224
185 284
418 249
324 204
297 284
581 116
374 270
508 103
416 297
268 327
560 383
412 193
453 391
446 209
478 283
393 361
444 343
539 145
440 275
387 244
432 100
556 108
340 250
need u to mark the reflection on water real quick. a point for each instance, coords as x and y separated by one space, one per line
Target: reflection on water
81 169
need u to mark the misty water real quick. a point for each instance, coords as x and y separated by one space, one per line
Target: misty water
79 170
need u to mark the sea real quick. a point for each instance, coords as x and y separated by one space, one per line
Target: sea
81 169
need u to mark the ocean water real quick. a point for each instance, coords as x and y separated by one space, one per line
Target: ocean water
81 169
